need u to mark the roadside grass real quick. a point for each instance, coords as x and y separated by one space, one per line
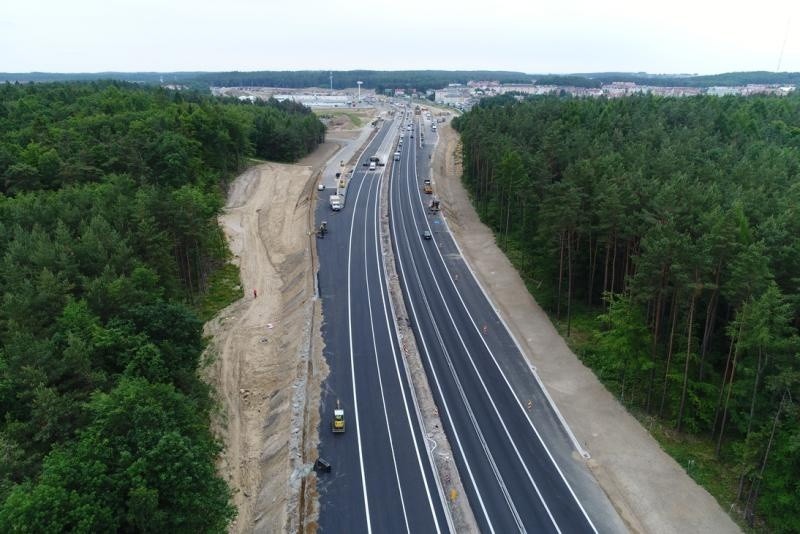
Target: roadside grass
224 288
695 454
354 117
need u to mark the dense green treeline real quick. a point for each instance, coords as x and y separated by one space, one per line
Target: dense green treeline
53 135
419 80
670 80
677 221
107 235
373 79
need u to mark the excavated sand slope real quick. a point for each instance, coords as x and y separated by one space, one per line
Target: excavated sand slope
260 344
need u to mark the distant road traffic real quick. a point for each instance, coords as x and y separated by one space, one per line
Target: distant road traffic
512 480
382 478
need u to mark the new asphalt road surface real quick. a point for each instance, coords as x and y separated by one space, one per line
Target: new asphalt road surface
516 459
381 478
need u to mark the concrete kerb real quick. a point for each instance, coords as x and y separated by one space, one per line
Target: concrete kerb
459 513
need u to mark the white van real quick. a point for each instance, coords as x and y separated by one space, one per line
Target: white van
397 156
372 165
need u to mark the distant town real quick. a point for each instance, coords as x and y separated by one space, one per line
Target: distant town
464 96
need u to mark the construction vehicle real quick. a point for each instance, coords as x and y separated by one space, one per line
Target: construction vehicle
323 229
426 187
322 466
337 425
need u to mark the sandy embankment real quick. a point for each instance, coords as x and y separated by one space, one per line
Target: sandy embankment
265 348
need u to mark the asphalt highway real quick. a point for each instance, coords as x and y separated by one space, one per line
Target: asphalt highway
513 481
514 455
382 478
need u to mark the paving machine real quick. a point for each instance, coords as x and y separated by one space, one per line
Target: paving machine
337 425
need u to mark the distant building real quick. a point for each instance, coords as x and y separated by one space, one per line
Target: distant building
464 97
453 96
618 89
526 89
482 84
721 90
317 100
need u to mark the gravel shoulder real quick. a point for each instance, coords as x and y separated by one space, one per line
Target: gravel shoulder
650 491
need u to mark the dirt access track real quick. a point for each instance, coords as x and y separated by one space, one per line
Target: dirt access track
651 492
266 347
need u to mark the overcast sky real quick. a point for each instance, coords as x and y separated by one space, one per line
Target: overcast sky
534 36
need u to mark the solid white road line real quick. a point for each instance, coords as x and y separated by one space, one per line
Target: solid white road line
352 363
350 343
393 335
426 352
378 367
497 365
474 366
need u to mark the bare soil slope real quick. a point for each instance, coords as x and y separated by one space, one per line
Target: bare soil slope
261 345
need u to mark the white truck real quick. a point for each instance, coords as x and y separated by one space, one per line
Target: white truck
374 163
337 202
397 156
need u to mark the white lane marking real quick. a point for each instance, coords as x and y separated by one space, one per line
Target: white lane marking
378 366
352 364
350 343
497 365
471 414
465 400
472 361
433 371
393 321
